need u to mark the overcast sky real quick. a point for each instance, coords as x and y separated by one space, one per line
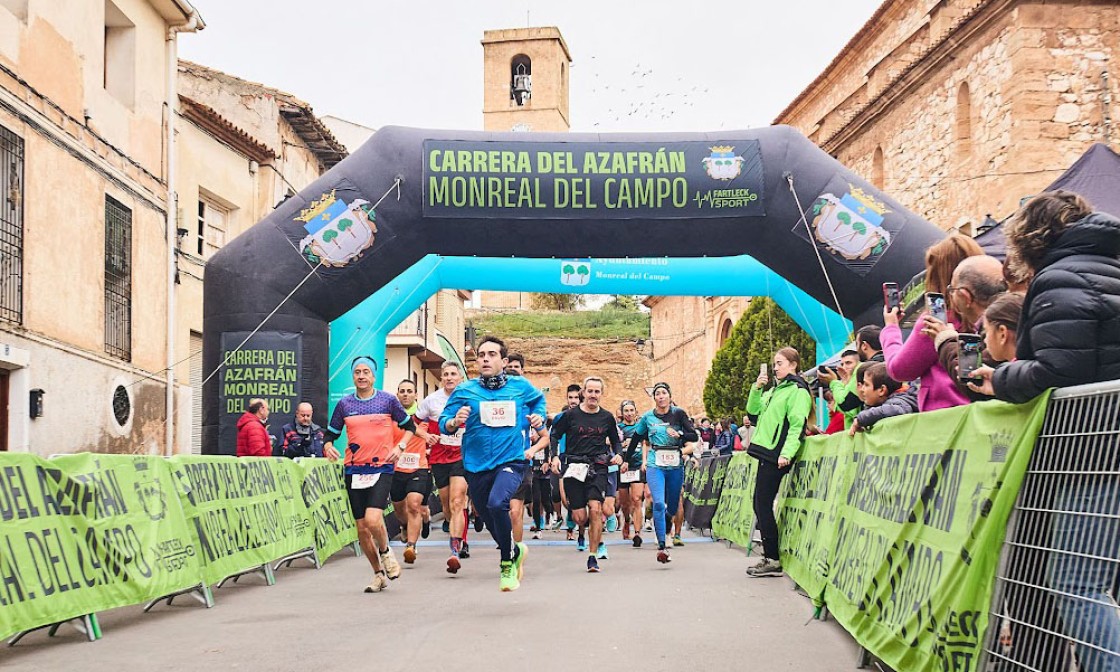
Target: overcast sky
637 66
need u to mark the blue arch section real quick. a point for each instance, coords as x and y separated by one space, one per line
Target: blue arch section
364 328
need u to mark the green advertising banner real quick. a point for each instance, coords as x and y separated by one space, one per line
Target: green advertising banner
904 534
86 533
734 519
324 494
807 514
703 483
244 511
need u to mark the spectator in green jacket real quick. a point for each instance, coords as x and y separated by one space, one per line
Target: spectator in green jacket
779 416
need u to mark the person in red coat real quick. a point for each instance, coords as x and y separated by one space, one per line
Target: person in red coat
252 436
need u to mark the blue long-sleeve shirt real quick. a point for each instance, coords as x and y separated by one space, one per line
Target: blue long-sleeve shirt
492 444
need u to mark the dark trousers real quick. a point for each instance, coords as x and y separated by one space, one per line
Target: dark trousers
491 491
765 492
542 500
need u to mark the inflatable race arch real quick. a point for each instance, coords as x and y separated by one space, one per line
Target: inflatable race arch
333 269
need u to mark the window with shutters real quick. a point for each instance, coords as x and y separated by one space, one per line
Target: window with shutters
210 228
118 279
11 227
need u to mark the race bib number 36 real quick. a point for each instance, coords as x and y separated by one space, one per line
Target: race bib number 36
498 413
667 458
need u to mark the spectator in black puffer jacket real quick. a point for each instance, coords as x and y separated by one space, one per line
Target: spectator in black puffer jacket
1069 333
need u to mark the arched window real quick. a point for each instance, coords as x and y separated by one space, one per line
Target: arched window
724 331
520 79
963 129
878 170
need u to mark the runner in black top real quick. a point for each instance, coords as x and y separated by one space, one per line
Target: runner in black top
591 446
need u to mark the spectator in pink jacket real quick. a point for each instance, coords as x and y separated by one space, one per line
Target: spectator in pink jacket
916 359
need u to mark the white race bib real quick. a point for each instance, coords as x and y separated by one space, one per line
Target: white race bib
632 476
408 461
577 471
667 458
455 439
363 481
498 413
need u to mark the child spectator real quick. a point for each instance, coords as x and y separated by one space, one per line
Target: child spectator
883 397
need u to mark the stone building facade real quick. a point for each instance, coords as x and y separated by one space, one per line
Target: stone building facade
685 333
243 148
960 108
84 252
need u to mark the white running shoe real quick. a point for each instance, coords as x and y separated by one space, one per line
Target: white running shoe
390 565
378 584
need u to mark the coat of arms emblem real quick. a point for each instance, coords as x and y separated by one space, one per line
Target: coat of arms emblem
851 225
337 231
723 164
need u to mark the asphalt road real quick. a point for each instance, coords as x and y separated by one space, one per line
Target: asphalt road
699 612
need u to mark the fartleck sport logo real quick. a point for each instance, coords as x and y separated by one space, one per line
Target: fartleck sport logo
851 225
337 232
723 164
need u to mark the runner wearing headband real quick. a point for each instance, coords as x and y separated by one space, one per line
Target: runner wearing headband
670 434
378 431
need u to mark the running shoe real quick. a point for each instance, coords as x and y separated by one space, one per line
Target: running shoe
766 567
390 565
453 565
521 550
534 528
478 524
557 525
612 524
465 550
409 554
637 540
663 556
509 579
446 528
426 529
601 553
592 564
537 534
677 541
378 584
582 544
649 526
571 535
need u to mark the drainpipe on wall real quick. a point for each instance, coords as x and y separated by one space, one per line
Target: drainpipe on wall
194 23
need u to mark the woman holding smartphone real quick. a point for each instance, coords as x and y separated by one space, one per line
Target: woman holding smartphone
916 358
779 415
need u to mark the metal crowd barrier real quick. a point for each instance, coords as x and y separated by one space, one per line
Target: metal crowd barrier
1054 607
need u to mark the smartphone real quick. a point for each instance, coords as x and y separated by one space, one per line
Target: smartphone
969 355
762 370
935 304
891 298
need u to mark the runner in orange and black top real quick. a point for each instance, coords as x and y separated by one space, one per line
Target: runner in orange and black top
446 462
412 480
377 431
